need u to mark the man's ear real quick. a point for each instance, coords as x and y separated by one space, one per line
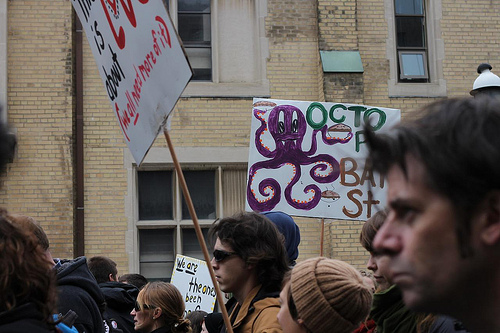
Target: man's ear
490 231
250 266
111 277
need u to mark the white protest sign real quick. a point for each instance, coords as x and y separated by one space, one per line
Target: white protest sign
308 159
192 278
141 62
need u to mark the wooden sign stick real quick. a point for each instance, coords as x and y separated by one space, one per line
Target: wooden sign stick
197 228
322 236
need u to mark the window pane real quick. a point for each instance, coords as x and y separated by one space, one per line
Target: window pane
156 253
190 245
201 185
413 64
201 62
195 30
194 5
155 195
410 32
234 184
155 272
409 7
194 27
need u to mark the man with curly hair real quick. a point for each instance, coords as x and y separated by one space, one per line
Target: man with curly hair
249 261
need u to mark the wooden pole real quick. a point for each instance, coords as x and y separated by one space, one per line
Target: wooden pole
197 228
322 236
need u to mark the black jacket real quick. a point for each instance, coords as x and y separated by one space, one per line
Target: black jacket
79 291
120 299
25 318
163 329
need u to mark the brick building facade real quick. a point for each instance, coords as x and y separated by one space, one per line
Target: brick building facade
280 41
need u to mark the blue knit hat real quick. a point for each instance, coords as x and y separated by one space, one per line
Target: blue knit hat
289 229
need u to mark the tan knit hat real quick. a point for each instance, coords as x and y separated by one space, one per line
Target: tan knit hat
330 295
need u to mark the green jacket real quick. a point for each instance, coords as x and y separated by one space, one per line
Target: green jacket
390 313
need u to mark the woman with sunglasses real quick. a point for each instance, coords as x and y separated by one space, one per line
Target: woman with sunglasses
160 309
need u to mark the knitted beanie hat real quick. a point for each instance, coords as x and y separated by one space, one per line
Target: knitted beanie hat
330 295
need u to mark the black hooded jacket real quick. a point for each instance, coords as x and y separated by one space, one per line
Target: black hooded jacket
120 299
24 318
78 291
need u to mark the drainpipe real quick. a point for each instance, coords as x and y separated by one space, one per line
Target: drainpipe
79 216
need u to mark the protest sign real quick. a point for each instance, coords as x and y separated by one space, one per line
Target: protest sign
192 278
141 63
308 158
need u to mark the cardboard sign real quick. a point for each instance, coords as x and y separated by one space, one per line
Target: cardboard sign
192 278
141 62
308 159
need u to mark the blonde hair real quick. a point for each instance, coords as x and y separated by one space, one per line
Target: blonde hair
167 297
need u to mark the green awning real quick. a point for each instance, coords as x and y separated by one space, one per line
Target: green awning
341 61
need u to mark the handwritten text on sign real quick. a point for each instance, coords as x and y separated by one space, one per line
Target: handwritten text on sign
192 278
308 158
141 63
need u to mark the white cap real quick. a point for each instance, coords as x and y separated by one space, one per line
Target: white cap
486 79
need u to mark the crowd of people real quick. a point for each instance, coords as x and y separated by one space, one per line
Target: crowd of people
433 253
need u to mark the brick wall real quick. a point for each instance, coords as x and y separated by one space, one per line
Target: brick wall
40 183
294 65
40 92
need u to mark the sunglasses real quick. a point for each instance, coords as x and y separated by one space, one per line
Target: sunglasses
138 308
220 255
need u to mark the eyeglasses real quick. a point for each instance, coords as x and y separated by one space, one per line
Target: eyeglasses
137 307
220 255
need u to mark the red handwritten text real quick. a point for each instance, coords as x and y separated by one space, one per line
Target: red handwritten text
129 114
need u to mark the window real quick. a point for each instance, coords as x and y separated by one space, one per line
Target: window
156 253
415 48
155 195
193 21
203 195
164 225
194 28
226 45
411 40
190 246
413 65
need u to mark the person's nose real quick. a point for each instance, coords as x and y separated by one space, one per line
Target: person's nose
214 263
371 264
388 240
132 313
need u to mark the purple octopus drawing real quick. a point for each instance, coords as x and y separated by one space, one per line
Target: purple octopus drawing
287 125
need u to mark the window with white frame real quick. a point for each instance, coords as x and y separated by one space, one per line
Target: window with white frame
226 45
195 30
415 48
411 40
164 225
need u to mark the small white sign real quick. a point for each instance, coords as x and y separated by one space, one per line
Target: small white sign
192 278
141 62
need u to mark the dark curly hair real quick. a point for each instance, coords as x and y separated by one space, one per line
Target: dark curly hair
25 273
257 241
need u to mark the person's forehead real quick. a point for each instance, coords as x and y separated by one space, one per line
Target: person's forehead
221 245
415 176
